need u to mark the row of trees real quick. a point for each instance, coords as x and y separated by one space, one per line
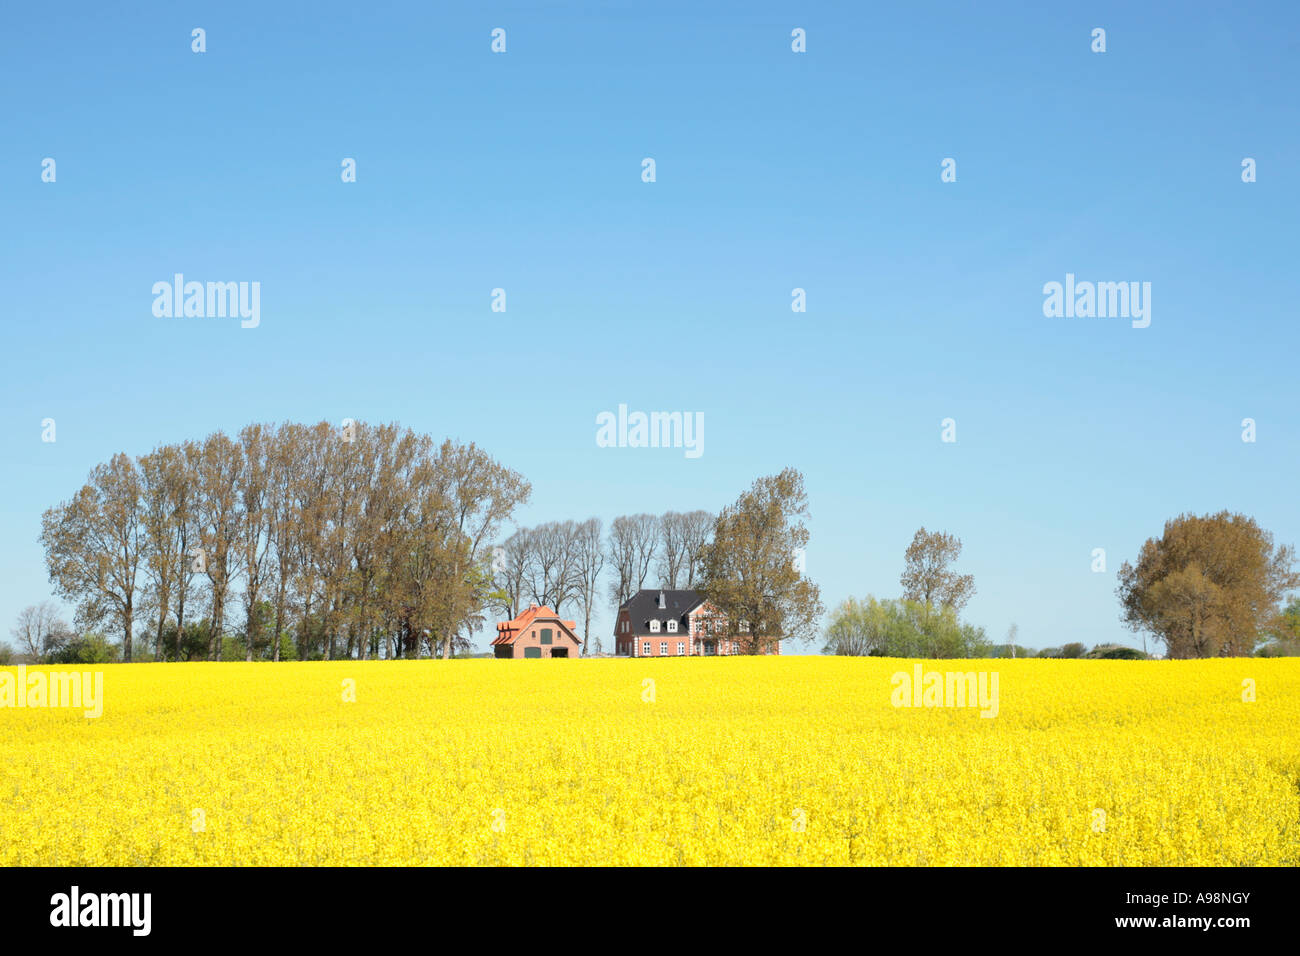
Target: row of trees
370 540
1102 652
1209 586
318 541
351 538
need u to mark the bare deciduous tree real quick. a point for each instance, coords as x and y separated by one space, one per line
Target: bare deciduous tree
673 556
622 558
37 625
633 547
588 563
162 480
284 448
219 518
510 569
480 494
94 544
254 490
552 566
697 532
646 544
183 493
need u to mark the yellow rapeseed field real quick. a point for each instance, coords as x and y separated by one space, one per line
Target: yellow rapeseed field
792 760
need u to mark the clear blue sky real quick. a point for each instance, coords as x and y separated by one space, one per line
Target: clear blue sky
775 170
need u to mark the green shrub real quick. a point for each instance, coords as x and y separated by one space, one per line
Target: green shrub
1116 652
902 628
1279 648
288 647
89 649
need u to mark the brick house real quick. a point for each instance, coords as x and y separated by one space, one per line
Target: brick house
536 632
668 623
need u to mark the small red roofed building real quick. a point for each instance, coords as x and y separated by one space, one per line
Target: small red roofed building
537 632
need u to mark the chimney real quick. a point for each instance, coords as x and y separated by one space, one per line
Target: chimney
663 602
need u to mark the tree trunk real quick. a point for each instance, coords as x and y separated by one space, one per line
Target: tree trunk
214 635
180 624
126 640
218 626
302 628
279 622
452 622
250 618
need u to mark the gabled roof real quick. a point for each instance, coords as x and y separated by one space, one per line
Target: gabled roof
509 631
644 605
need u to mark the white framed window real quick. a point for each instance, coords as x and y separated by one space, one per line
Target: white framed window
681 648
654 625
672 626
663 648
645 648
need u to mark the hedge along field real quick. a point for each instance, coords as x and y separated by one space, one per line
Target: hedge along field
791 760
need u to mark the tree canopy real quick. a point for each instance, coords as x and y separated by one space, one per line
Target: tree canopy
928 578
346 536
1210 586
751 570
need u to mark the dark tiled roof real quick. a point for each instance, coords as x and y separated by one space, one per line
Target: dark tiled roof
644 605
